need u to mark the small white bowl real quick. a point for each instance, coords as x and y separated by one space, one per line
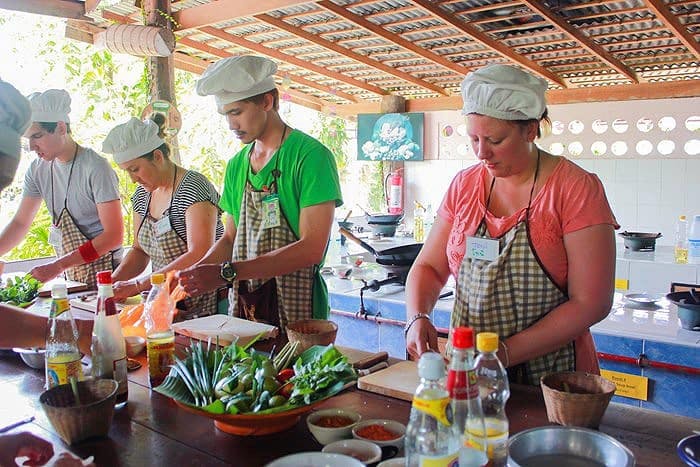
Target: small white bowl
34 358
134 345
363 451
393 462
327 435
315 459
390 425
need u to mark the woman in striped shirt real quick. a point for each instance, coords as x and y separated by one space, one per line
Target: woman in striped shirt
176 217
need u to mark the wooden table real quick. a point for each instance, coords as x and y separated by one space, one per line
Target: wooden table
152 430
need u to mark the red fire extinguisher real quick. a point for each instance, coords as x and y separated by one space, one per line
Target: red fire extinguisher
393 190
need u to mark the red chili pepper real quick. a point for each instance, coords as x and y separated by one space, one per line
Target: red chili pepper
285 375
286 390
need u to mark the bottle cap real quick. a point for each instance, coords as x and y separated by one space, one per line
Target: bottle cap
157 278
59 290
487 342
463 338
431 366
104 277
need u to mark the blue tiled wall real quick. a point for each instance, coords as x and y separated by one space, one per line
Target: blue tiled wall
674 392
669 391
625 347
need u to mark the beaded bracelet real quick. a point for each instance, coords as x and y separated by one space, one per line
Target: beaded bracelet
413 319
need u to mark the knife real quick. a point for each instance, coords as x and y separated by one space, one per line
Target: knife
370 360
12 426
372 369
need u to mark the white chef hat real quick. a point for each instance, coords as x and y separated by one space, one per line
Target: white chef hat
236 78
15 117
132 140
50 106
504 92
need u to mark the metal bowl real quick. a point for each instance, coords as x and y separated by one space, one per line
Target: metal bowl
34 358
561 445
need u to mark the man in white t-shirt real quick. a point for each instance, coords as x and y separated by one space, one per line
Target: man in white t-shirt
80 190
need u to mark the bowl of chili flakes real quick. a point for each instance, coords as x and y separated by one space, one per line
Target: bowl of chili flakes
331 425
383 432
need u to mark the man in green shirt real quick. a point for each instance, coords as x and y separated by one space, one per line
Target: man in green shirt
280 193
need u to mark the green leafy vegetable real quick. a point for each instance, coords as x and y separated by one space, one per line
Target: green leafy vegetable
19 291
237 379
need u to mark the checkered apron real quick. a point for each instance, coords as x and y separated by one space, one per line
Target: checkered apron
163 250
71 238
295 290
510 294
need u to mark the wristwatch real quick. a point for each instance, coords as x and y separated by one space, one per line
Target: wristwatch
228 273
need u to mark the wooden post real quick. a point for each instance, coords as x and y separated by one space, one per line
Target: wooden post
161 70
394 104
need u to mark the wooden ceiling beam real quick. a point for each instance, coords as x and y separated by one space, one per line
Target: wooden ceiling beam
476 34
328 45
292 77
483 8
261 49
539 8
391 37
225 10
607 14
70 9
664 14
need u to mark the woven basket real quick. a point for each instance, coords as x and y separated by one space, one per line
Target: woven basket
92 418
575 398
310 332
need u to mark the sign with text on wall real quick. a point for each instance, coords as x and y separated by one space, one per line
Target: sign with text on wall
632 386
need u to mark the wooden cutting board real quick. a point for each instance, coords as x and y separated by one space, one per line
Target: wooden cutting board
88 302
226 328
399 380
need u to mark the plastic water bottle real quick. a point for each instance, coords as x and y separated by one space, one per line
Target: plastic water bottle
494 391
428 221
681 246
418 222
160 338
463 387
432 439
62 353
694 241
108 346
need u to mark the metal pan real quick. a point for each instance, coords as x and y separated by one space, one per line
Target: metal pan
403 255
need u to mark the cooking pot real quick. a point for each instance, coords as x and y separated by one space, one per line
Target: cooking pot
688 304
384 218
400 256
385 229
640 241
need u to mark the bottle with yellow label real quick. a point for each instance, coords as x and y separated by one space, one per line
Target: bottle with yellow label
432 439
62 354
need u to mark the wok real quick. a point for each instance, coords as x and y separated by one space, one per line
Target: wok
403 255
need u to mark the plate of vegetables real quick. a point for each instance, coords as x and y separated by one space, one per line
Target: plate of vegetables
251 393
19 290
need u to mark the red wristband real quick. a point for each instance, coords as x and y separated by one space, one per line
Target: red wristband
87 252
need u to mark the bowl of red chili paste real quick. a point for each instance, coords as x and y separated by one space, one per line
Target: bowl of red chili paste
331 425
382 432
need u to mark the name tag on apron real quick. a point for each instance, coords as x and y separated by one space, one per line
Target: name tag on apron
55 236
271 211
482 248
163 226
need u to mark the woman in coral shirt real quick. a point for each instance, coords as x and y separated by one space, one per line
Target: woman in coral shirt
528 236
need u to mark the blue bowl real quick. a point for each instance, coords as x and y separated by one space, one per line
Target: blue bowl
689 450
